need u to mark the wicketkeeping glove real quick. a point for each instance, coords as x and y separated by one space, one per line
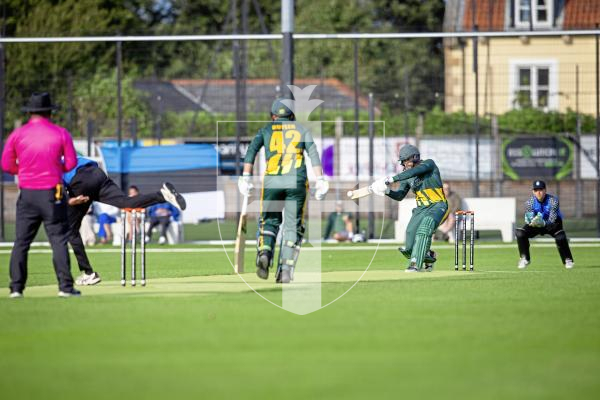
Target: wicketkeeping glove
528 217
245 185
322 187
538 221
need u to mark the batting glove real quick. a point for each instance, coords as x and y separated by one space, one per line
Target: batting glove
380 186
322 187
245 185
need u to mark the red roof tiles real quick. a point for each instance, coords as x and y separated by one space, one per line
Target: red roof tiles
581 14
489 15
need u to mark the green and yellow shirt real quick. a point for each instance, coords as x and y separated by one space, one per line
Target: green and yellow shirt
285 142
425 181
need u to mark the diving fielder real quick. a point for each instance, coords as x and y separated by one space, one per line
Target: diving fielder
285 187
423 177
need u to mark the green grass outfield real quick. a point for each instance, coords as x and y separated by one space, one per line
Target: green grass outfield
197 331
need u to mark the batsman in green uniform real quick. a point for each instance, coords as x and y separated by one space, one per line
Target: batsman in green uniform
423 177
285 187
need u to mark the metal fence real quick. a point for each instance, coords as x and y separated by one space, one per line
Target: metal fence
535 91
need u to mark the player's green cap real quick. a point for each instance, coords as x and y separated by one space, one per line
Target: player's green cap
408 151
280 110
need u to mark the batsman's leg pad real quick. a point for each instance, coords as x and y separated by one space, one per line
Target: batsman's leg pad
289 251
266 237
429 258
405 252
423 240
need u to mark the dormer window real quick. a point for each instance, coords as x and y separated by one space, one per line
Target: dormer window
540 12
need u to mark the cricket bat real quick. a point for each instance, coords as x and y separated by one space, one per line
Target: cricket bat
359 193
240 240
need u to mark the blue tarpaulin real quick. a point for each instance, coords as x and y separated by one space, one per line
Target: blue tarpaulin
160 158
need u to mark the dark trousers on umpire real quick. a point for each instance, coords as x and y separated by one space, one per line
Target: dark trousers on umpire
35 207
93 182
555 230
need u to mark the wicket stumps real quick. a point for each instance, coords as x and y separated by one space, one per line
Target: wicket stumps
461 219
134 212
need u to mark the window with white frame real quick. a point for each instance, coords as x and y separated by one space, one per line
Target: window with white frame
539 10
534 84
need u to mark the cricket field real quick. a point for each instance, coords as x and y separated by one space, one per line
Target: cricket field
197 330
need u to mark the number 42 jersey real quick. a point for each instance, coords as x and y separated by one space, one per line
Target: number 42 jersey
285 143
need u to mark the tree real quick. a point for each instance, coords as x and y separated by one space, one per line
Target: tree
94 99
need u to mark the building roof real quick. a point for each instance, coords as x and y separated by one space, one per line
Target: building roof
581 14
163 96
498 15
218 95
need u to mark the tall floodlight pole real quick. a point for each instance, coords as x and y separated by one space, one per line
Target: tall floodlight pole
371 234
120 113
287 29
356 130
476 72
236 74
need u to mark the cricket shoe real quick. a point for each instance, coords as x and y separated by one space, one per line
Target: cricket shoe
162 240
69 293
569 263
15 295
428 263
88 280
263 263
412 267
523 263
285 276
172 196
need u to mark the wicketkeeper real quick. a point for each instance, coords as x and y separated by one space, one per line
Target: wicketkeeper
423 177
285 187
543 217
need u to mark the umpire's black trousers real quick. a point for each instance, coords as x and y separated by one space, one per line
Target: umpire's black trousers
92 181
555 230
33 208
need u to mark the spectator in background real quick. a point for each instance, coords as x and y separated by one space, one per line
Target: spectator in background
161 215
339 224
446 230
106 216
39 152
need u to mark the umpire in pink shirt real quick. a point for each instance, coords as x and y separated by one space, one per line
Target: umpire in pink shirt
39 152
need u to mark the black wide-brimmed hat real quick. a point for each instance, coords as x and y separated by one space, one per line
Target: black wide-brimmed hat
39 102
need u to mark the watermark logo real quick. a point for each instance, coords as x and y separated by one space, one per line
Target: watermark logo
286 231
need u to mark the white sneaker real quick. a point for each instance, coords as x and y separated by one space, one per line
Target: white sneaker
523 263
172 196
162 240
569 263
15 295
87 280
